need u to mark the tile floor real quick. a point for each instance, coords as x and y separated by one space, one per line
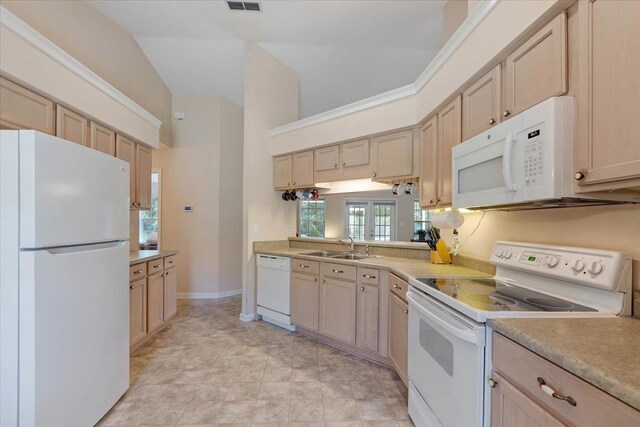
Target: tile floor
207 367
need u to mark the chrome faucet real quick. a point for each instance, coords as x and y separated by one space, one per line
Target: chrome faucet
351 245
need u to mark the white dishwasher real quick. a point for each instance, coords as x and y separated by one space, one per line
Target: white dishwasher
274 290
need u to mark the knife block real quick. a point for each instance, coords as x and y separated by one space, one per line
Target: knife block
435 258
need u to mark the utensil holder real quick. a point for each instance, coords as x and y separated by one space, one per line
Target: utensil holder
435 258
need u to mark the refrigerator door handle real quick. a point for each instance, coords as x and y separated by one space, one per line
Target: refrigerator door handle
89 247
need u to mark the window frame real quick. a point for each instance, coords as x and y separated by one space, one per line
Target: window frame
324 218
427 222
369 226
159 210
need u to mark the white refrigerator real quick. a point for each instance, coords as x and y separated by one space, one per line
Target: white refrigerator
64 295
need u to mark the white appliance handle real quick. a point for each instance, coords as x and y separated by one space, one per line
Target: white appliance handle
464 334
506 163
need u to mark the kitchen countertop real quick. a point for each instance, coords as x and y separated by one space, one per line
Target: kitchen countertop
402 267
136 257
602 351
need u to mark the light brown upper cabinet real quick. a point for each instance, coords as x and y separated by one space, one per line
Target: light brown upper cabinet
126 150
21 108
338 309
327 163
282 169
102 138
143 177
392 155
608 140
303 169
481 104
72 126
428 166
349 160
449 124
537 70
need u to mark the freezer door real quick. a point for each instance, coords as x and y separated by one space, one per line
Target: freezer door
74 333
70 194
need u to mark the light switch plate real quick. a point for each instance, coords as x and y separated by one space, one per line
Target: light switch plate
256 229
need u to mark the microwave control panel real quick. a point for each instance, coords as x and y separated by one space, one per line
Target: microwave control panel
533 156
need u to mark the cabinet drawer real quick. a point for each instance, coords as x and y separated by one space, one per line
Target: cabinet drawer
339 271
305 266
137 271
170 261
154 266
398 286
368 276
526 369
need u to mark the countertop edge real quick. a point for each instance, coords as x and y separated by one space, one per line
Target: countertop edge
584 371
161 254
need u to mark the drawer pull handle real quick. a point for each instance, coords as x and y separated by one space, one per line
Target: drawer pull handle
156 266
304 266
137 272
366 276
551 392
397 287
337 271
170 262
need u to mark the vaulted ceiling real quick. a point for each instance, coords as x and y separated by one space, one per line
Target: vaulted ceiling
343 51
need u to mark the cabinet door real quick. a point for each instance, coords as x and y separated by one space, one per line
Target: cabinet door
355 153
449 123
143 177
282 172
327 164
102 139
367 318
510 407
537 70
303 169
305 300
429 163
392 155
72 126
338 310
481 104
170 293
22 109
398 332
155 302
137 311
608 142
126 150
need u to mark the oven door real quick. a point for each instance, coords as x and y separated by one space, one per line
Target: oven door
446 363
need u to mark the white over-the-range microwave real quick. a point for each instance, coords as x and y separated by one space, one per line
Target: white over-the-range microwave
526 162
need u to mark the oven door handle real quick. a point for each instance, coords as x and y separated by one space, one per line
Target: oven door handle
464 334
507 173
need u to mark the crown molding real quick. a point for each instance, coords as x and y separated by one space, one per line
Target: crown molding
40 42
461 34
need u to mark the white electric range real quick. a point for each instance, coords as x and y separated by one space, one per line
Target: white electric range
450 340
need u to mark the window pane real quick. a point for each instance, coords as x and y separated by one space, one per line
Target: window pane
382 222
356 221
311 218
148 234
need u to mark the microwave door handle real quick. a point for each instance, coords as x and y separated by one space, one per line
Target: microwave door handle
506 162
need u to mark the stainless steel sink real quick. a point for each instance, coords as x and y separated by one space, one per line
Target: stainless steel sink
352 257
324 254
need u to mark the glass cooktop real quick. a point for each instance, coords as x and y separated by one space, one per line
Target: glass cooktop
493 295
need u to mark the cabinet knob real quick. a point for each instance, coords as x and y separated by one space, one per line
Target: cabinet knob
288 184
578 176
430 201
492 383
492 121
335 165
362 288
294 183
324 281
437 200
344 164
506 113
374 174
406 311
130 286
315 279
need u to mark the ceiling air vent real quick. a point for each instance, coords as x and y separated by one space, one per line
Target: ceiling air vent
248 6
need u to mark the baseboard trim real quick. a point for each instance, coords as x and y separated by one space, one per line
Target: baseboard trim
208 295
247 317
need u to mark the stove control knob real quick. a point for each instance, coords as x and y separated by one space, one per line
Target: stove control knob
552 261
596 268
507 254
498 253
578 266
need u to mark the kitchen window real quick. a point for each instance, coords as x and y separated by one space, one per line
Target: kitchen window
370 220
421 219
149 225
311 218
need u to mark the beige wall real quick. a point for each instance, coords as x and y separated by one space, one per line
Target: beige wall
205 148
270 100
453 14
335 211
104 47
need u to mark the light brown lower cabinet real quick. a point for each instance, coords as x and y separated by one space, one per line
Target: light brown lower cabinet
305 300
367 317
137 311
518 398
398 334
170 294
155 301
338 310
